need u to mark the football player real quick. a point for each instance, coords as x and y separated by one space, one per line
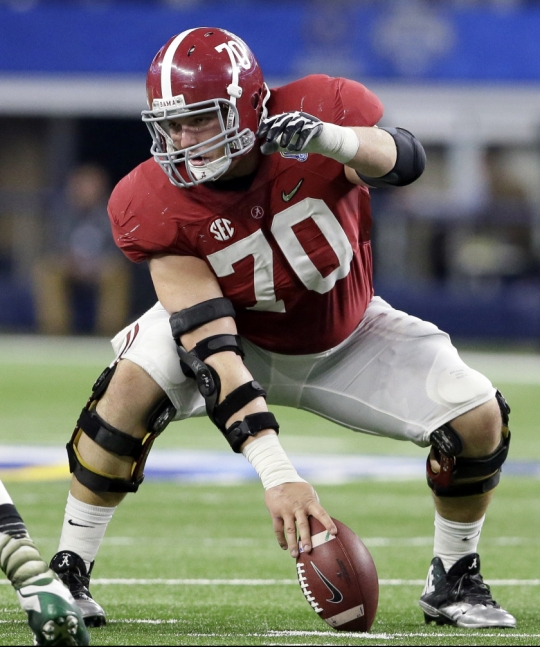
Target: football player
53 615
254 217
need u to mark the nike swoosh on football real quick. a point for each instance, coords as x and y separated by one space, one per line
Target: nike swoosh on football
287 197
337 596
72 523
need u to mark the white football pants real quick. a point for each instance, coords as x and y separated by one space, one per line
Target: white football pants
395 376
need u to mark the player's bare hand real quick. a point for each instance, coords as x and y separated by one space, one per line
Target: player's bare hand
290 505
290 131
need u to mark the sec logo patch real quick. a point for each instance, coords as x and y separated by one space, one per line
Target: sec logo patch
222 229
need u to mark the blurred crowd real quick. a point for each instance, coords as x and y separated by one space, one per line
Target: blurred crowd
79 255
491 239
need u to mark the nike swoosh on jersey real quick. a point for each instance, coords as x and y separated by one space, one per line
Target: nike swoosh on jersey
337 596
287 197
72 523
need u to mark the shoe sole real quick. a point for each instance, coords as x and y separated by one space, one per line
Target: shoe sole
60 631
431 614
95 621
439 620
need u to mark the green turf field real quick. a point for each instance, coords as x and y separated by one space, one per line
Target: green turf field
208 568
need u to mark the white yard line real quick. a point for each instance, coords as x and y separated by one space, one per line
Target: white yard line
283 582
208 582
300 634
370 542
326 634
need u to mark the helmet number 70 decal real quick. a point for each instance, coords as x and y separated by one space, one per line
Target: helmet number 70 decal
239 58
237 53
257 246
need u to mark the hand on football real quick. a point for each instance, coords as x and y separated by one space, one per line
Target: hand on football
290 505
290 131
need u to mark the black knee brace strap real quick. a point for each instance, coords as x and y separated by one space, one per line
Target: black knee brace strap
209 386
251 425
93 479
208 381
488 467
188 319
446 445
218 344
192 363
115 441
209 346
107 436
237 399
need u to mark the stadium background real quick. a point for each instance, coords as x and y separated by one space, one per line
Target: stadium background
460 248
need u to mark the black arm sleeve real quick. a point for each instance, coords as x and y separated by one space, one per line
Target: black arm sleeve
410 162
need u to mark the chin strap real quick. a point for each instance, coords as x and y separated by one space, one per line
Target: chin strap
212 170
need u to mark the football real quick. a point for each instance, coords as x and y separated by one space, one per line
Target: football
339 579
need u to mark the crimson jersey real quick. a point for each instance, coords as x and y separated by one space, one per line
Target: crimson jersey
292 251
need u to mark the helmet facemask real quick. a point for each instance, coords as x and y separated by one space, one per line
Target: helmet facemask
233 142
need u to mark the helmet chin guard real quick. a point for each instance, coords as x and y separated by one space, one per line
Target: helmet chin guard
171 159
204 70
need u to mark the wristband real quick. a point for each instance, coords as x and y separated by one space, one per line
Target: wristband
337 142
270 461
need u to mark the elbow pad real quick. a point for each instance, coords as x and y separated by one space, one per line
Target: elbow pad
410 161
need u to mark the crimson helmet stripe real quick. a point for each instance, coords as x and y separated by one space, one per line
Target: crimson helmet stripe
166 66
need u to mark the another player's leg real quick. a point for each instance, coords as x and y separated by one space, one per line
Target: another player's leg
53 615
455 592
107 452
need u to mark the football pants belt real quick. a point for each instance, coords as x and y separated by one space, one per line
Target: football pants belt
114 441
452 479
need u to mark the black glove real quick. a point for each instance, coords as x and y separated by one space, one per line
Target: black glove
290 131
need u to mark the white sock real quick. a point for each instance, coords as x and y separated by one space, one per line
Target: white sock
454 540
84 528
4 495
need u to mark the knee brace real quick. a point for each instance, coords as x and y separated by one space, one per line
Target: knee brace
115 441
454 470
207 378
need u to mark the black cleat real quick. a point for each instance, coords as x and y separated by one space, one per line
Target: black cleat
460 597
71 569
